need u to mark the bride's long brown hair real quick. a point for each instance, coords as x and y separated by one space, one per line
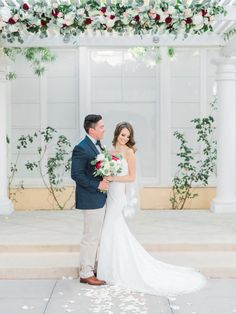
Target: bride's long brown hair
119 127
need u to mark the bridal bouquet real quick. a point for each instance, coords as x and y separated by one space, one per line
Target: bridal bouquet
107 164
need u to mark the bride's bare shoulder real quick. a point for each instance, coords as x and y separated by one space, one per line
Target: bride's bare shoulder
129 152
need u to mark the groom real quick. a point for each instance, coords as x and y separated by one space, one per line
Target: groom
88 196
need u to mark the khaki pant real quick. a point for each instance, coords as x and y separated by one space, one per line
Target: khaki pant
93 221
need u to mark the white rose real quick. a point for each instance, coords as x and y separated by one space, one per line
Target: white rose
60 14
106 165
171 10
80 12
188 13
55 5
198 19
102 19
5 13
69 18
100 157
13 28
110 23
60 22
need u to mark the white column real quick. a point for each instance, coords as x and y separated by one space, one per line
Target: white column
225 200
6 206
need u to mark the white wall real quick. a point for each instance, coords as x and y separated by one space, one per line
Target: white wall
157 101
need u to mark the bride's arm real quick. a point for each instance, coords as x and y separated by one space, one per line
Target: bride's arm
130 177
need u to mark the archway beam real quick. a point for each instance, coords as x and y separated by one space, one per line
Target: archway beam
116 40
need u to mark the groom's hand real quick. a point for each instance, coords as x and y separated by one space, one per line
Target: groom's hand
103 185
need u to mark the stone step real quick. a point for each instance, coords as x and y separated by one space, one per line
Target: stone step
156 247
56 265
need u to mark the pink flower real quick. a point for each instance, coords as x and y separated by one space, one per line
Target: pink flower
152 14
26 6
98 164
11 21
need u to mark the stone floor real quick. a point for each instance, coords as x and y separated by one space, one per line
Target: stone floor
69 296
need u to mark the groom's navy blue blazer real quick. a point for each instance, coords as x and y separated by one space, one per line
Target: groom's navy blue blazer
87 195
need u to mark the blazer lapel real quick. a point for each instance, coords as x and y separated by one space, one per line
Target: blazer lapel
91 145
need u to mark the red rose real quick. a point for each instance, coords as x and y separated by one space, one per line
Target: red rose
189 20
55 12
112 17
114 158
11 21
25 6
43 23
103 9
88 21
168 20
137 18
204 12
158 17
98 164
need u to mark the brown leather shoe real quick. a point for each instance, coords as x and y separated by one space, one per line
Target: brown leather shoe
95 274
92 281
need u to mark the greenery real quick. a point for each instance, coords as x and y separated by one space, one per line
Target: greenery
230 34
37 58
22 143
150 55
52 163
72 18
194 169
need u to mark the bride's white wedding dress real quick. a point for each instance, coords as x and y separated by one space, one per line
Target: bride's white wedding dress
123 261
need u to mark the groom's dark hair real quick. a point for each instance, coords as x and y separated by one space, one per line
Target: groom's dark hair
90 121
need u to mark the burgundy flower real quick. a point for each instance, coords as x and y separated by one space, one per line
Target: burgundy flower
112 17
98 164
204 12
103 9
137 18
55 12
26 6
88 21
158 17
11 21
168 20
189 20
43 23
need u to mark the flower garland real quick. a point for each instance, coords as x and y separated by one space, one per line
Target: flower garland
72 18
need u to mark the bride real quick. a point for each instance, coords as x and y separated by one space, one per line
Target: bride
122 260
